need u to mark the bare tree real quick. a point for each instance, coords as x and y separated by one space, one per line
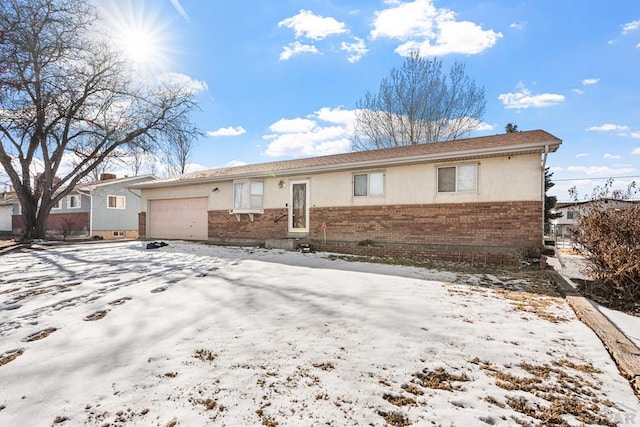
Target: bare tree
64 91
177 153
418 104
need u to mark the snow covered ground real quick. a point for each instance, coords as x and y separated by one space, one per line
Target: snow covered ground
114 334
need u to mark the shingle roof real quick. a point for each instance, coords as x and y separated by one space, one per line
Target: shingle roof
92 185
533 141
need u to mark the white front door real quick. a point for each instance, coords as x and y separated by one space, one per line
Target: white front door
299 206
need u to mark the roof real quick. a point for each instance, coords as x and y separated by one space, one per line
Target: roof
8 198
527 142
126 180
563 205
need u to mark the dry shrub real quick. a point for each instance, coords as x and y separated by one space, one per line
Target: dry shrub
609 233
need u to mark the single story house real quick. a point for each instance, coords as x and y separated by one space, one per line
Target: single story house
476 199
105 209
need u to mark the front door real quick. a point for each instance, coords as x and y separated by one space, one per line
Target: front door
299 207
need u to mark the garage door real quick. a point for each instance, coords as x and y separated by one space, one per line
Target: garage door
178 218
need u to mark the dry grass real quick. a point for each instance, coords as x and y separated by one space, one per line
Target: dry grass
96 316
396 419
8 356
561 384
410 388
440 379
324 366
205 355
399 400
541 305
39 335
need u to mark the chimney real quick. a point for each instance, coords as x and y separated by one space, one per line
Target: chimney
107 176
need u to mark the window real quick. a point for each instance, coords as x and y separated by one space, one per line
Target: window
58 205
247 196
368 184
116 202
118 234
73 201
454 179
571 215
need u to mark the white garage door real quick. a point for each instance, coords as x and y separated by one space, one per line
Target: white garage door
178 218
5 218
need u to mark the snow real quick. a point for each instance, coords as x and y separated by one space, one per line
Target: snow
205 335
575 268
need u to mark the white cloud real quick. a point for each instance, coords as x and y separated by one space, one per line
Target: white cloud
612 156
518 25
581 155
183 80
326 131
355 50
228 131
296 48
608 127
636 151
638 45
525 99
630 26
307 24
635 135
602 171
431 31
292 125
590 81
578 91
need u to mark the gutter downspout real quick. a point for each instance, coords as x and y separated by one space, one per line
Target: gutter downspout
543 167
90 210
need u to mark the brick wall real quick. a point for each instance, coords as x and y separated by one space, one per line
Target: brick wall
77 222
490 233
225 228
509 224
142 225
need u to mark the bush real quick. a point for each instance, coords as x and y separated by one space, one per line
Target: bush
609 234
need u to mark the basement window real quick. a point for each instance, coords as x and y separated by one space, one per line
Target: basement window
458 179
368 184
116 202
118 233
248 196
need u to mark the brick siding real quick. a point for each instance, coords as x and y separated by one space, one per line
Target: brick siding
55 222
490 233
142 225
225 228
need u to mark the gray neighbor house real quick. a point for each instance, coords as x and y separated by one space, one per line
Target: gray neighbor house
105 209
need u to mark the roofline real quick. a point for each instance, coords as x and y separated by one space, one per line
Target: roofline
550 146
91 186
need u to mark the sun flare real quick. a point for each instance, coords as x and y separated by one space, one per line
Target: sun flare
139 34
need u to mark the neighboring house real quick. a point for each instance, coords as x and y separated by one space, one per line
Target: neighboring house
114 208
477 199
7 202
69 217
566 224
105 209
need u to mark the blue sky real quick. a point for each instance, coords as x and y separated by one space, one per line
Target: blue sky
280 79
